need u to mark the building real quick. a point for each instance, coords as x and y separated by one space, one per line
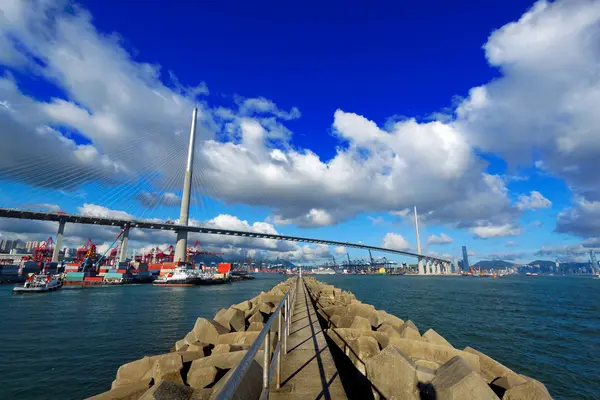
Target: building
465 263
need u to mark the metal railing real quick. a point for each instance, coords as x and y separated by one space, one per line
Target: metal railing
271 366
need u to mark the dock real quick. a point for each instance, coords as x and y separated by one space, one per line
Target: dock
308 370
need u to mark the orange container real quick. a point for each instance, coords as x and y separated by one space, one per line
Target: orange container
224 268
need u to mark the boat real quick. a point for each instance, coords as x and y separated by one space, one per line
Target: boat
40 283
326 271
531 274
181 276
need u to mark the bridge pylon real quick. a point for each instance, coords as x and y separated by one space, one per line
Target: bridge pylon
181 246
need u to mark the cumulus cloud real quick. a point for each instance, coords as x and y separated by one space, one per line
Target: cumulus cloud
395 241
583 219
441 239
541 107
535 200
168 199
490 231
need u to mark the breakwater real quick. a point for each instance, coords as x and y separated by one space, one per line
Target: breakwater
400 362
200 364
390 354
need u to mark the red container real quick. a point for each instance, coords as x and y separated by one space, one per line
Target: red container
122 271
93 279
224 268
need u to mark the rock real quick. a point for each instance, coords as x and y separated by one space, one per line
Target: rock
410 324
428 364
391 330
334 310
362 310
133 372
189 356
199 346
243 306
270 298
392 319
376 319
433 337
360 323
249 388
168 390
232 318
425 374
456 380
530 390
502 384
179 344
256 327
335 321
168 368
257 317
408 332
362 349
221 361
266 307
201 394
206 331
422 350
130 391
343 336
393 374
492 369
238 338
202 377
228 348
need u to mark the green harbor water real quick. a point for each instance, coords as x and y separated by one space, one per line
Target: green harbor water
69 344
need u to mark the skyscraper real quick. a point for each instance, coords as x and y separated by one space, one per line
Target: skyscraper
465 263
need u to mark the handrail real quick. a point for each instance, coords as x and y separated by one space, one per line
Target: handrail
285 308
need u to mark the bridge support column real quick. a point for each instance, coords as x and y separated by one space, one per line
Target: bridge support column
421 265
124 243
181 246
59 239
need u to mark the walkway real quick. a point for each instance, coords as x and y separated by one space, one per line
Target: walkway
308 370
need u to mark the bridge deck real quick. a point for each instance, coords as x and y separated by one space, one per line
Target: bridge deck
308 370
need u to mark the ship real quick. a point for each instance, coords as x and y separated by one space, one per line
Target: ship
181 276
40 283
321 271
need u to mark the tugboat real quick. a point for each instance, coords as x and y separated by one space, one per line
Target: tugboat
40 283
181 276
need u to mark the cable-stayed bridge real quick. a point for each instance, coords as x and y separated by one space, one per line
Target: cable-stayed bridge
69 180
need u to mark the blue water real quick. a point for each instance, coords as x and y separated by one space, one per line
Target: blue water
69 344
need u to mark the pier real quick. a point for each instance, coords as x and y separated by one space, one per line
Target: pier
308 340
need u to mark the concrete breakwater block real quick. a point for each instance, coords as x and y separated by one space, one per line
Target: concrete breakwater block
199 365
440 371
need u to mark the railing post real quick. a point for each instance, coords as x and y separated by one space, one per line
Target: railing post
285 326
278 379
267 359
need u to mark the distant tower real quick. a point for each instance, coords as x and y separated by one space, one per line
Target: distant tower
557 263
593 261
465 265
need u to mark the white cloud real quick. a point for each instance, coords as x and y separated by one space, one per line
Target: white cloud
510 243
542 108
340 250
441 239
94 210
168 199
535 200
582 219
395 241
490 231
376 220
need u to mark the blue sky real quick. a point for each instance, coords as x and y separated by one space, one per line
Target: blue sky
326 120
